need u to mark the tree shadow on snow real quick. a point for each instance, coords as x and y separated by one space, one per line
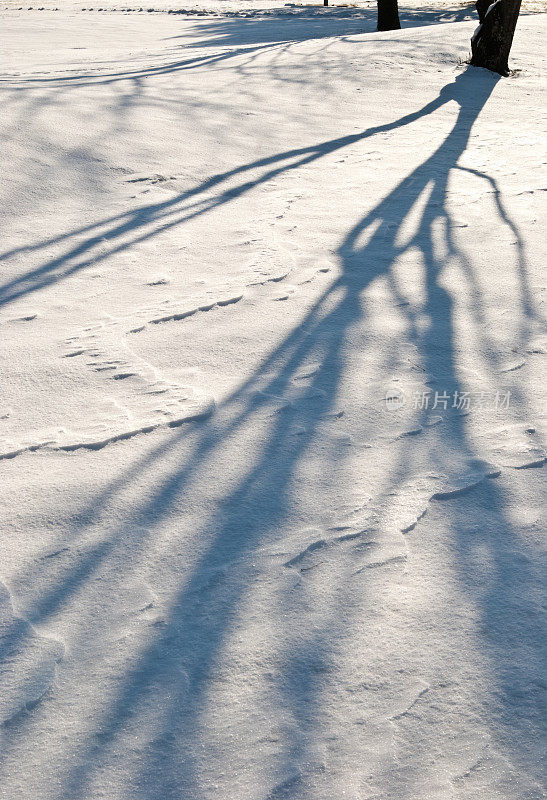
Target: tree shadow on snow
303 24
251 33
165 694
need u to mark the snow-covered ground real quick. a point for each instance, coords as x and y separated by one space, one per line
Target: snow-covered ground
272 370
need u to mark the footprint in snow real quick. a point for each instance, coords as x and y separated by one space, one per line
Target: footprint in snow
25 318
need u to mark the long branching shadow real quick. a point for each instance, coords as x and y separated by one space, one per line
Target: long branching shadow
165 692
98 241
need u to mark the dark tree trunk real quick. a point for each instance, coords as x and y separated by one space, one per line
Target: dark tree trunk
482 7
388 15
493 38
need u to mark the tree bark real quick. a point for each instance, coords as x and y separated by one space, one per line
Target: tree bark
493 38
388 15
482 7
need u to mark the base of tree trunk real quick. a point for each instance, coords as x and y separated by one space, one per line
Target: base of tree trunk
388 15
491 42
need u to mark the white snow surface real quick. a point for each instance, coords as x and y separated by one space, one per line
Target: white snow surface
230 569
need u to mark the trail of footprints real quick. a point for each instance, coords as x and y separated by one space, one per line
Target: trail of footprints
147 399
